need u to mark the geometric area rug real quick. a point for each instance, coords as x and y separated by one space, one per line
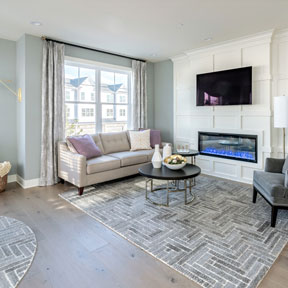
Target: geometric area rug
17 250
221 239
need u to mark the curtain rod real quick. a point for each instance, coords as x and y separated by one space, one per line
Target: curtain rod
91 49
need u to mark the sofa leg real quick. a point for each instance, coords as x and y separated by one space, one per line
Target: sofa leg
62 181
254 194
80 191
274 216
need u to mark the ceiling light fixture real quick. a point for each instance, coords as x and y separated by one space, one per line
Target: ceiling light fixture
36 23
153 54
208 39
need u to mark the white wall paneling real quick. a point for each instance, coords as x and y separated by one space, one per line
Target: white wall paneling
259 51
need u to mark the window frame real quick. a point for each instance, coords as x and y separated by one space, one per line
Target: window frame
98 67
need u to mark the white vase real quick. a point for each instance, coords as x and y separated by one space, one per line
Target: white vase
167 151
157 158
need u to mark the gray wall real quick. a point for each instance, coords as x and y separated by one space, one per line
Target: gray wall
28 74
163 99
33 52
8 116
21 128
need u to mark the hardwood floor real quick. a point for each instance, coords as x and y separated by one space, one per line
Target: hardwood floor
74 250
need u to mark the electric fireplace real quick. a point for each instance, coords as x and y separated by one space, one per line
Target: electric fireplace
231 146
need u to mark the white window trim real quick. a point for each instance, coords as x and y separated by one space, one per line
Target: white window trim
76 62
92 64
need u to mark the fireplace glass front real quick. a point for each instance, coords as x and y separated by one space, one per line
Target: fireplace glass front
231 146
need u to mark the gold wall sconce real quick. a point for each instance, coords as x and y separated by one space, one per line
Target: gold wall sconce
18 94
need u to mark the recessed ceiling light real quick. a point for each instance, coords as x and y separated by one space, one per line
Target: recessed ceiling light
153 54
36 23
208 39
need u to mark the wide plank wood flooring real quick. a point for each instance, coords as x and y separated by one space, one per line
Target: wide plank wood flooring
75 250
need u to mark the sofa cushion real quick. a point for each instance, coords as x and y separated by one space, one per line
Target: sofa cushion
272 183
155 137
101 164
140 140
114 142
97 139
129 158
85 146
148 153
285 166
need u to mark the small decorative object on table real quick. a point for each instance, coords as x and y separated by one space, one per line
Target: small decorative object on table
181 149
5 168
175 162
157 158
167 151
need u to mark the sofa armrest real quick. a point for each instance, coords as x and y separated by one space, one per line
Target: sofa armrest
274 165
71 166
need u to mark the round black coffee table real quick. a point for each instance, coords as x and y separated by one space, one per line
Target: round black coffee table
186 174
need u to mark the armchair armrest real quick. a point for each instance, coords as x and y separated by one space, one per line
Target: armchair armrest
274 165
71 166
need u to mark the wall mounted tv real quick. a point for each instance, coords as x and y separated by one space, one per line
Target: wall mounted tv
229 87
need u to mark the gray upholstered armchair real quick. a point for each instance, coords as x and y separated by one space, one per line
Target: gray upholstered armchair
272 185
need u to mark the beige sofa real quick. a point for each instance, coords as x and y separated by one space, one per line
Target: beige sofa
117 161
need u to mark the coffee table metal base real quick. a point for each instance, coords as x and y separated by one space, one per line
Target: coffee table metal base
171 187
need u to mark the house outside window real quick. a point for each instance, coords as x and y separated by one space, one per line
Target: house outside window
109 105
87 112
122 112
109 113
67 95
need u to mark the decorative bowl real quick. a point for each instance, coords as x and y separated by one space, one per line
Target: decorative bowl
175 162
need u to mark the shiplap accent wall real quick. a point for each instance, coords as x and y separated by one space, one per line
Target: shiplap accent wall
267 53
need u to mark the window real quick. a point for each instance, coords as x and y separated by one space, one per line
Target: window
109 113
122 112
87 112
122 99
110 98
68 112
67 95
99 98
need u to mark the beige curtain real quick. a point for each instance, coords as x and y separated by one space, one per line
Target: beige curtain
139 99
52 110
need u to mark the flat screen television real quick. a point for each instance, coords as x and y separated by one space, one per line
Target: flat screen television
229 87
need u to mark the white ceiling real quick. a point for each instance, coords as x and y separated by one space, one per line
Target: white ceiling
142 28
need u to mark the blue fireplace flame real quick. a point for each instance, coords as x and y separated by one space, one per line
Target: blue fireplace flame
229 153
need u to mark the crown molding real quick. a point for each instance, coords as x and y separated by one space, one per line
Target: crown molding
242 42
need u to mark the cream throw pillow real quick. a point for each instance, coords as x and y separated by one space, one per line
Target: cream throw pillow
140 140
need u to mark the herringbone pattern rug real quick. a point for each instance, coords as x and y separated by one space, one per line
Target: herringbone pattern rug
220 240
17 250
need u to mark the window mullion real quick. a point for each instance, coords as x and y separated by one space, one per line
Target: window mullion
98 116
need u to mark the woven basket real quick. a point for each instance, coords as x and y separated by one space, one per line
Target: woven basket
3 183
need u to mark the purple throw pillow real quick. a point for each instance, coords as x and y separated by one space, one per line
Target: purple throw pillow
155 137
85 146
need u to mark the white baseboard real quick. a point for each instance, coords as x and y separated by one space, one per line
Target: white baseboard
22 182
27 183
12 178
240 180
